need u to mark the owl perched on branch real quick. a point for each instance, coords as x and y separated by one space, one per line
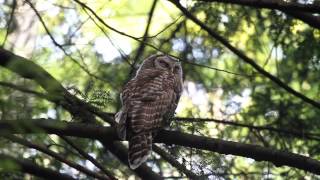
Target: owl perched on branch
148 101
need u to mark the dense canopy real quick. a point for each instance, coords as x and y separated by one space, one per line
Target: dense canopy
251 97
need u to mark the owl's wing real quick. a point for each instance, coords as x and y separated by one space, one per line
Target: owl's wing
151 99
130 99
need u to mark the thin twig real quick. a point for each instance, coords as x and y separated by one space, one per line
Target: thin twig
139 40
9 23
27 166
59 45
88 157
167 157
121 52
144 39
53 154
300 134
164 29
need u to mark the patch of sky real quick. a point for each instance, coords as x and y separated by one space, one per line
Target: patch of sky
178 45
107 49
197 53
224 18
314 64
215 52
236 102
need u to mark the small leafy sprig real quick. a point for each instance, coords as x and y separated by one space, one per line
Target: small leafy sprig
97 97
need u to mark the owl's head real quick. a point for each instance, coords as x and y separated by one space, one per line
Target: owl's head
164 63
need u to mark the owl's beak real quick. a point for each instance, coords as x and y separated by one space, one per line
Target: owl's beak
172 69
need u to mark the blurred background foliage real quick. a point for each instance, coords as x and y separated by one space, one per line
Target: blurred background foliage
96 62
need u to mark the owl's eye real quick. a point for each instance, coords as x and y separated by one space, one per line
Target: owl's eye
164 64
176 69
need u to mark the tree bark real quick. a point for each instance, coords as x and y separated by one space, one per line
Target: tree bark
109 135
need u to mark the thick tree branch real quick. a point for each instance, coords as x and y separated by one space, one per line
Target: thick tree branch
311 20
108 135
258 153
31 168
300 134
24 90
30 70
244 57
53 154
273 4
104 115
52 126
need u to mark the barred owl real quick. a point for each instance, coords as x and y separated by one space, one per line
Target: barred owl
148 101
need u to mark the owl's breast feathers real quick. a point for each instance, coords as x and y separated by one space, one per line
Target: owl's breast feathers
148 100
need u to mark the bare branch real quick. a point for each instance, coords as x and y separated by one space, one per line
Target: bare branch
258 153
300 134
221 70
313 21
165 28
88 157
144 39
9 22
146 43
59 45
123 54
174 162
83 5
31 168
53 154
52 126
108 134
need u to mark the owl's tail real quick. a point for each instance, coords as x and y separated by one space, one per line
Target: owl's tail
140 146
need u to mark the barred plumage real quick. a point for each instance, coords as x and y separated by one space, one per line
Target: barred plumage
148 101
